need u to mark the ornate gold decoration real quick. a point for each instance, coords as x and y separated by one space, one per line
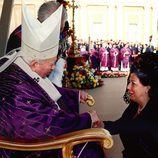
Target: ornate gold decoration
66 142
90 100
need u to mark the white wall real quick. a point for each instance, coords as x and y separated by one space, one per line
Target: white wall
107 19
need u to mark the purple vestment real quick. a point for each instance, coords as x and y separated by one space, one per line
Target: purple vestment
125 54
94 57
104 57
84 54
27 112
114 54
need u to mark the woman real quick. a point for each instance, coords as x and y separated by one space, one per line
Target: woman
138 126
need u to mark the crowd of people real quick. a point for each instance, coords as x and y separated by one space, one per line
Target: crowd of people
112 55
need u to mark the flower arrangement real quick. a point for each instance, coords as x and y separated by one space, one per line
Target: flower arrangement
81 78
110 74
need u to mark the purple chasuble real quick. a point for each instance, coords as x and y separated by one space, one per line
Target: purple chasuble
104 57
94 57
27 112
125 54
114 54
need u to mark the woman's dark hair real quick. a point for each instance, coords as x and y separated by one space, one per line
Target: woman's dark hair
146 68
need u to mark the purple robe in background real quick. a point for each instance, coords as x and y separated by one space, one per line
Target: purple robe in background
84 53
28 112
125 54
95 61
114 55
104 58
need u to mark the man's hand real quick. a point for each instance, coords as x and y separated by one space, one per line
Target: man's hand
86 98
96 122
83 96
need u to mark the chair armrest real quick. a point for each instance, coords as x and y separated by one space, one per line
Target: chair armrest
64 142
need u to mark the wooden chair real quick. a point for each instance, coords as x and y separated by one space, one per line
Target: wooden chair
64 142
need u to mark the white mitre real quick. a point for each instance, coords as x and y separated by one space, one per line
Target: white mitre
40 40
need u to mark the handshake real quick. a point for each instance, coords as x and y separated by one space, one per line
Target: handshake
89 100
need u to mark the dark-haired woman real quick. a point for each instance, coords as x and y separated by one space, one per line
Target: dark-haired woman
138 126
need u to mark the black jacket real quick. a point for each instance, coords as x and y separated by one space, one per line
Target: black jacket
139 135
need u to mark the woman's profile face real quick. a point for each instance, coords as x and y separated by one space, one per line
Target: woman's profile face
137 91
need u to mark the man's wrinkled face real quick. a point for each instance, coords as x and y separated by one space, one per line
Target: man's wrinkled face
44 68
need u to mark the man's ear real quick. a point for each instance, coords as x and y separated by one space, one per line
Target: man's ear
33 65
